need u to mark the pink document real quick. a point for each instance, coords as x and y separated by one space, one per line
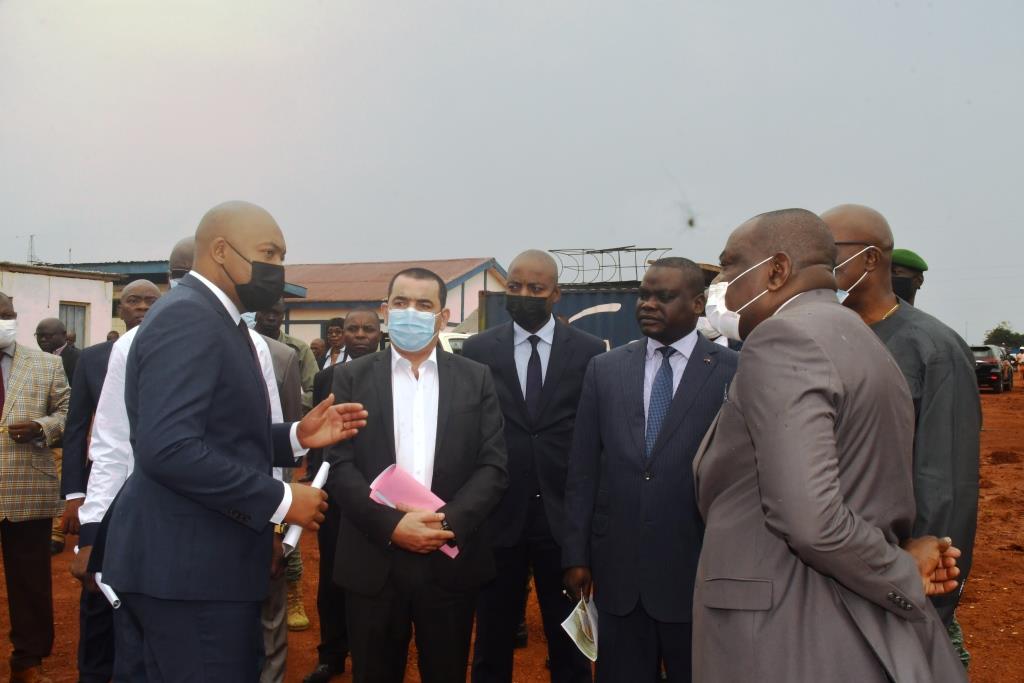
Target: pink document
394 485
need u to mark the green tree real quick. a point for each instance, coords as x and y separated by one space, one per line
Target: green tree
1003 335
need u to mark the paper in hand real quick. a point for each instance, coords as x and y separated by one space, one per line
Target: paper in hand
581 625
291 537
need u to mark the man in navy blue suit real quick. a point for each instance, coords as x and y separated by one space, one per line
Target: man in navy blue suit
632 524
188 541
538 365
95 616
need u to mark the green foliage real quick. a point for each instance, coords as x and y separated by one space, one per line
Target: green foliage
1003 335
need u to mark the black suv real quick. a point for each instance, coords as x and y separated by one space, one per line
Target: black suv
993 367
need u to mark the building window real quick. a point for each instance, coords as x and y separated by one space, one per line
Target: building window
74 318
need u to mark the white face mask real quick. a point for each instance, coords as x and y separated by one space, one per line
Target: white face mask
174 282
843 293
721 318
8 332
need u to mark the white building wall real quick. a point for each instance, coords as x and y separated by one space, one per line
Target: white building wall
38 296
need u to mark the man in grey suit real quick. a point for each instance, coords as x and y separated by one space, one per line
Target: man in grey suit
808 571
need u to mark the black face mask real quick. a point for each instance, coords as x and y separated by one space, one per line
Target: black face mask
904 288
529 312
265 285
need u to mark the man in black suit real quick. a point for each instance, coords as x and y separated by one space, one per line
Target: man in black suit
632 521
436 416
188 540
538 365
360 337
52 337
95 617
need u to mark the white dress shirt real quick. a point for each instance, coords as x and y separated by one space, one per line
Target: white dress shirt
109 448
677 361
342 358
414 404
523 349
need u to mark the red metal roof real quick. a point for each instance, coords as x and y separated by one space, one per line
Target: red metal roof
340 282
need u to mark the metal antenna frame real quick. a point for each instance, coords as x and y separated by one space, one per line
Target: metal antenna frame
614 264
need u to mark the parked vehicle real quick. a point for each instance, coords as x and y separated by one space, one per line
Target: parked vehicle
993 368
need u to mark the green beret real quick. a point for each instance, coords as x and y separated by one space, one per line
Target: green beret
908 259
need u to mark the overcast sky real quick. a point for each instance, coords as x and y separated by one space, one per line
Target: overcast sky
402 130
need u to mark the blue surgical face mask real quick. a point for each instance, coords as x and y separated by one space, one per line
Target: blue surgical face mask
249 318
842 294
411 330
174 282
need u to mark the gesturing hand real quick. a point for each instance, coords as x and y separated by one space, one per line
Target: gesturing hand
936 562
419 531
328 424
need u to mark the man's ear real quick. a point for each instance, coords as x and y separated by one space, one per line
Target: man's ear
872 259
217 249
384 312
782 269
699 302
445 315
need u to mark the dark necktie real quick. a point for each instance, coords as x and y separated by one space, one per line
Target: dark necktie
661 400
534 379
244 329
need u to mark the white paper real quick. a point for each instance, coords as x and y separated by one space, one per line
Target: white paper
107 591
581 625
291 537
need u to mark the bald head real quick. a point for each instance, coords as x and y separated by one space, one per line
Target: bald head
230 238
51 334
136 299
797 232
864 261
534 275
182 256
860 224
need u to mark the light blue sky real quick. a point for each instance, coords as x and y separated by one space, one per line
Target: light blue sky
379 130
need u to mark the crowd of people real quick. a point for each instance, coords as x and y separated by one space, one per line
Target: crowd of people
777 481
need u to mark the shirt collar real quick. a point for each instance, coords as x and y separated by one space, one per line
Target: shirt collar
546 333
59 351
684 347
228 304
10 350
398 360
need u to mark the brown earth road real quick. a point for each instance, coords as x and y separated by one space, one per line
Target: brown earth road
992 607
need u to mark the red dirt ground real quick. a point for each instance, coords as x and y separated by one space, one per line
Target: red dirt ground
991 612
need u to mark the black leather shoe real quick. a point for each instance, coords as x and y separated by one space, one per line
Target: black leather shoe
323 673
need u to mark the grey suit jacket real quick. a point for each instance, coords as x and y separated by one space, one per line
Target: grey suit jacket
805 484
289 380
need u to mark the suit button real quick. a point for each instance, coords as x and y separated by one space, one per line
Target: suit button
891 595
647 476
534 436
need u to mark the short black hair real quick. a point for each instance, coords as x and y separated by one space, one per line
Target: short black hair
694 275
798 232
422 274
356 311
335 322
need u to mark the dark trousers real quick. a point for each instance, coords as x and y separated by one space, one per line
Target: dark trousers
171 641
26 552
500 607
633 647
379 626
95 638
330 599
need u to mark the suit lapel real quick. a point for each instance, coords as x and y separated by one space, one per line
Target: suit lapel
561 350
444 398
386 406
699 368
20 369
633 388
504 351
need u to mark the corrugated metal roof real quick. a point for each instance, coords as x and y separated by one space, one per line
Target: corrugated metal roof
47 269
340 282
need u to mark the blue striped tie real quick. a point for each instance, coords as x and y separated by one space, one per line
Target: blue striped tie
661 399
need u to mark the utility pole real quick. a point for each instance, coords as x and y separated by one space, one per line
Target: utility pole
32 249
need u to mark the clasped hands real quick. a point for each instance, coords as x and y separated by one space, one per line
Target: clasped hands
936 563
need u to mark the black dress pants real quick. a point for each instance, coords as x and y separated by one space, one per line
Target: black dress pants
380 626
187 641
26 553
95 638
633 647
500 605
330 598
